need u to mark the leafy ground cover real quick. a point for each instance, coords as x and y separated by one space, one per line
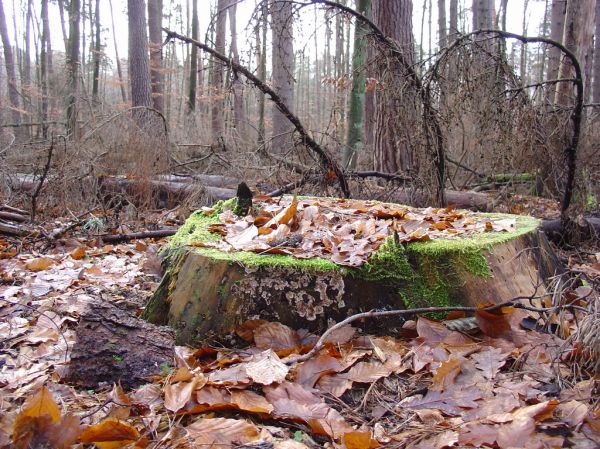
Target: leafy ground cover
513 378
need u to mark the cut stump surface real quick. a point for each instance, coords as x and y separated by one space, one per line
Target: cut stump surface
207 292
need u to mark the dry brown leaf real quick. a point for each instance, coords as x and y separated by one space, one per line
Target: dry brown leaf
250 402
278 337
222 433
178 394
39 264
110 433
78 253
309 372
266 368
360 440
490 361
446 374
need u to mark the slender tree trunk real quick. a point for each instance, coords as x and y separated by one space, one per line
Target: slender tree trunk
442 27
193 76
282 72
355 143
596 69
11 76
44 70
26 74
139 61
155 8
557 26
63 27
262 70
217 110
453 20
48 40
119 69
97 51
237 87
523 63
73 68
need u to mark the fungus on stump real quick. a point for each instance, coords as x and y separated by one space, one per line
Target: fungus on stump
372 256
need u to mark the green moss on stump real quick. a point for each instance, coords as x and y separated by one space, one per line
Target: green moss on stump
424 273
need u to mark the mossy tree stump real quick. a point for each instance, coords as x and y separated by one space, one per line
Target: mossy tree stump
205 293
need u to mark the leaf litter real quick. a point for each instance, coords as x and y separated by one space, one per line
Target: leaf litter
346 232
492 385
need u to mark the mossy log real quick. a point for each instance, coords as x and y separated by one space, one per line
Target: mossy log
205 293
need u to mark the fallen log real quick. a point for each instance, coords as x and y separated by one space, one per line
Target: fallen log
585 229
159 233
206 180
11 216
10 229
206 292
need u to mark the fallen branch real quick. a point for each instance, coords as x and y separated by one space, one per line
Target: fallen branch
326 160
12 229
387 313
159 233
37 190
5 215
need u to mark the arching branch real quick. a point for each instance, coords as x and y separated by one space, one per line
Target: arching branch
326 160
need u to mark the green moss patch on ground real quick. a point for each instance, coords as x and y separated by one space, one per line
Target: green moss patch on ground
425 273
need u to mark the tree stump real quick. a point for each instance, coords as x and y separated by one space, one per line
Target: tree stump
206 292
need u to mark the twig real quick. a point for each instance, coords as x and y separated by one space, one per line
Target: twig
387 313
41 182
137 235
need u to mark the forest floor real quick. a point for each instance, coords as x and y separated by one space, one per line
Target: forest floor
70 329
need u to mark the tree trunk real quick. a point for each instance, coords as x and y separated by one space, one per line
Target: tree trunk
119 70
237 87
26 74
578 35
453 20
392 149
193 77
282 72
596 69
442 27
61 10
523 62
155 8
11 76
261 41
217 109
97 52
73 68
44 69
557 25
48 40
139 62
355 143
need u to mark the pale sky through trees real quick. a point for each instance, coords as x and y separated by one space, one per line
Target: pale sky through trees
304 28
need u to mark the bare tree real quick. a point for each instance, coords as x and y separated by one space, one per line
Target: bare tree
155 8
139 61
442 27
282 71
11 76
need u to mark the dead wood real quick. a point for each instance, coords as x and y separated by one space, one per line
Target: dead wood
10 229
114 238
5 215
586 228
114 346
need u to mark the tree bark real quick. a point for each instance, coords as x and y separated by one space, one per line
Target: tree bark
355 142
282 72
442 27
11 76
453 20
596 68
97 52
557 25
578 35
217 110
393 152
193 77
261 42
73 67
155 8
139 61
44 58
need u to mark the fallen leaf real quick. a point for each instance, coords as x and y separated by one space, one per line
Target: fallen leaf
266 368
110 433
221 433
